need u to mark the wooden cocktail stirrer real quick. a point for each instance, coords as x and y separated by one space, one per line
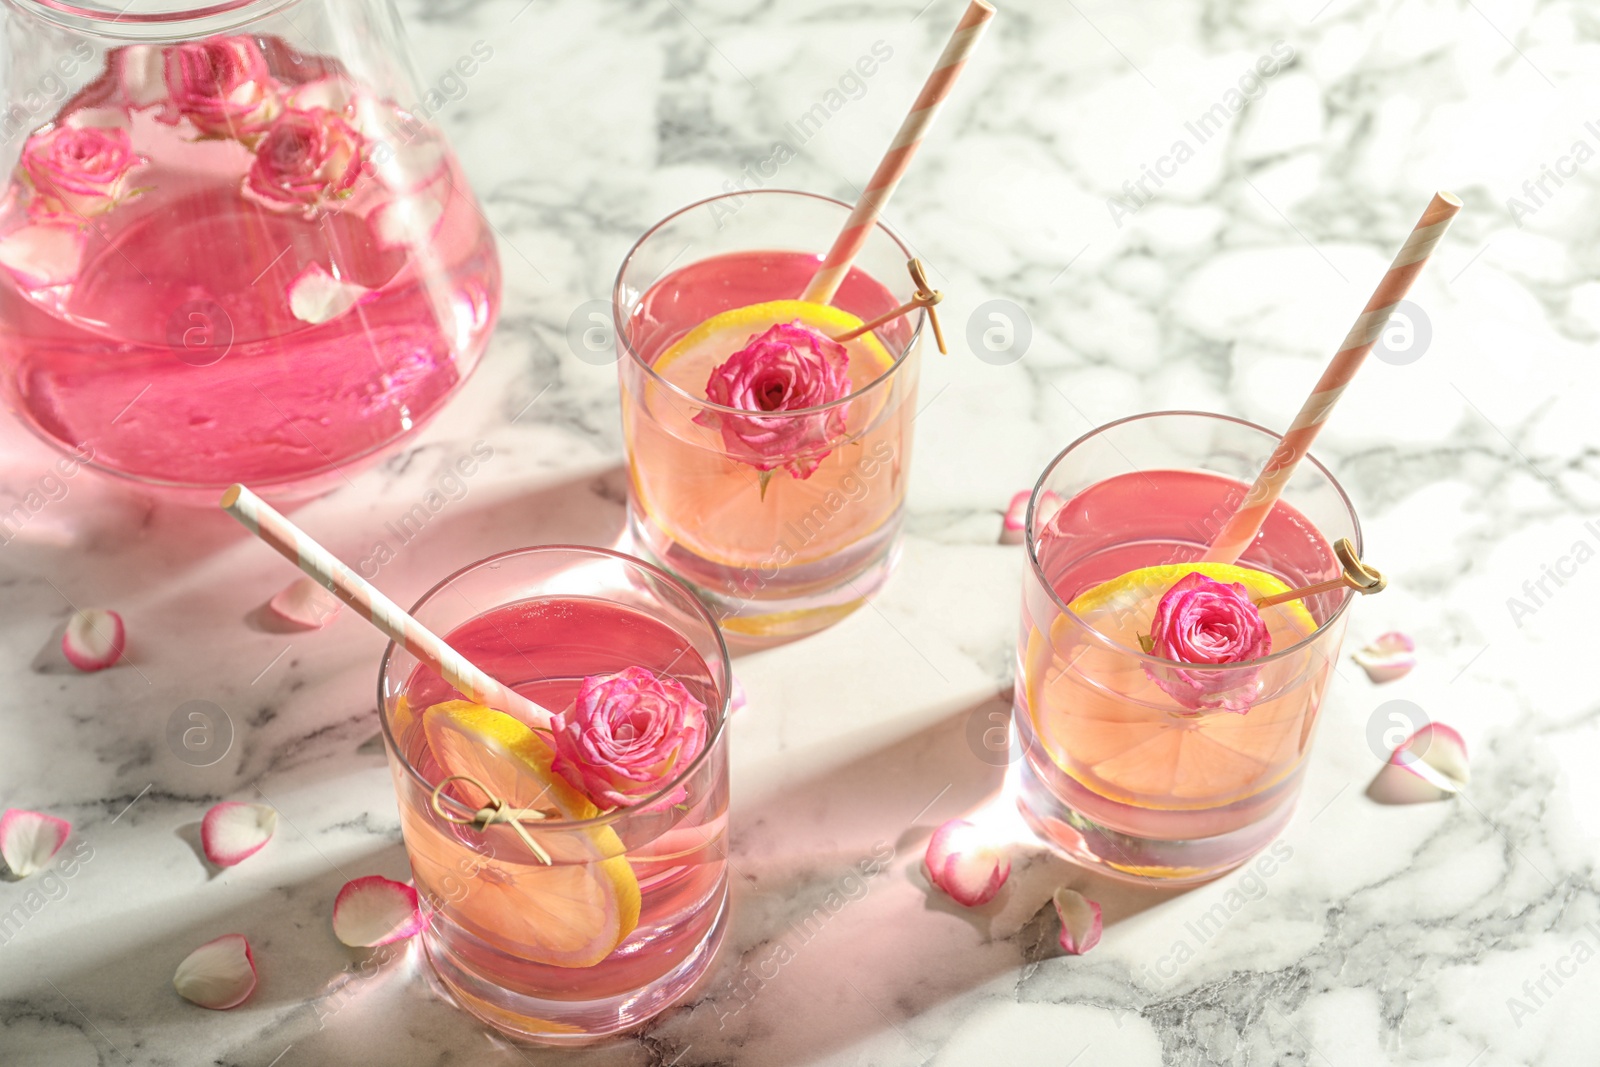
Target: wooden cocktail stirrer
925 297
1357 575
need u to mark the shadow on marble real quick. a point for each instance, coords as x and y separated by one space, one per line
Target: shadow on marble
836 936
129 987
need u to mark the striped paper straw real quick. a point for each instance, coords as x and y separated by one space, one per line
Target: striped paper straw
1408 262
295 545
893 166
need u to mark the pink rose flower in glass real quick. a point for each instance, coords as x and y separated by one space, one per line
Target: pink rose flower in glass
778 375
1210 623
627 735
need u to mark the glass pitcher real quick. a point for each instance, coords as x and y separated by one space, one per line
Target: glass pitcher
233 247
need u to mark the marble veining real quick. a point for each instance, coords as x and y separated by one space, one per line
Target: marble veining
1132 275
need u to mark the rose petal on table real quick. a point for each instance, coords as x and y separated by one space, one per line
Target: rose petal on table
374 911
966 867
1016 518
1429 765
406 220
220 974
305 603
1389 656
737 699
1080 921
43 255
232 831
94 639
1049 504
315 296
30 839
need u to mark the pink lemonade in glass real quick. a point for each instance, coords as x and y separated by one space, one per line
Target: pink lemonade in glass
784 542
630 909
158 327
1119 772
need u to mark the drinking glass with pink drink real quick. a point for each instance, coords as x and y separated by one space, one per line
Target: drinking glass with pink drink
783 514
600 911
1134 763
229 257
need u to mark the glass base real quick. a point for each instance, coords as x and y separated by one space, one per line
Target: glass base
773 616
1131 857
571 1022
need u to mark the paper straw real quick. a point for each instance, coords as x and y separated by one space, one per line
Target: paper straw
894 163
261 519
1408 262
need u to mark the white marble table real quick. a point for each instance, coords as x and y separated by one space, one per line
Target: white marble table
1453 934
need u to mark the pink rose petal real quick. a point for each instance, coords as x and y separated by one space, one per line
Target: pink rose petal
304 602
1080 921
94 639
232 832
315 296
44 255
737 699
403 153
406 220
1049 504
331 94
1390 656
374 911
962 864
220 974
140 70
1013 526
100 118
1429 765
28 840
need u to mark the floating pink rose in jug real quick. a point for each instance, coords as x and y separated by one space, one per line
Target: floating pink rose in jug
77 172
306 160
223 86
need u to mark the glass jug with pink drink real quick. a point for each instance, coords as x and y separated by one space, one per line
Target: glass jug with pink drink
233 244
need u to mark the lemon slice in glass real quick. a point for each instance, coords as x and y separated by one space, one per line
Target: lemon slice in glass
573 912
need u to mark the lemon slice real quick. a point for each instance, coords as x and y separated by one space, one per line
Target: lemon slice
1127 592
1138 755
726 333
577 910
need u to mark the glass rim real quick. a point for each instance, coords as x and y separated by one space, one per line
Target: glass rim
1140 654
77 16
921 314
615 814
